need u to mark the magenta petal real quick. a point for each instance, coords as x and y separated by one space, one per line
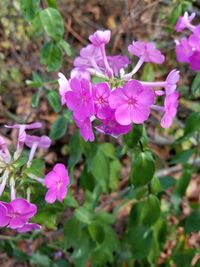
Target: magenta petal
166 121
61 170
17 222
116 98
61 193
123 115
50 196
50 179
139 114
4 218
28 227
20 205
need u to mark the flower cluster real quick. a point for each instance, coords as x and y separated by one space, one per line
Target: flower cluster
17 213
188 48
117 101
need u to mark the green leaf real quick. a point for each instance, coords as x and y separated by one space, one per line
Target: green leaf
58 128
75 150
29 8
133 137
175 14
148 217
108 149
196 85
115 167
96 232
140 240
51 56
142 169
37 167
183 157
40 260
100 169
183 259
72 232
167 181
52 3
182 183
148 73
192 124
53 23
83 215
66 47
54 100
36 98
191 223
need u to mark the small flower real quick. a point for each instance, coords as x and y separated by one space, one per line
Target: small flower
131 103
79 100
19 211
101 92
183 50
4 218
147 51
4 152
170 109
185 22
116 63
85 129
194 39
63 87
57 181
111 127
171 81
194 61
100 37
22 135
34 142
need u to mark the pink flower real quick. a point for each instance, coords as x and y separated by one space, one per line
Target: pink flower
16 213
80 73
183 50
4 152
194 39
79 100
22 135
34 142
89 56
185 22
116 63
131 103
170 109
85 129
101 92
194 61
171 81
147 51
63 87
111 127
100 37
56 181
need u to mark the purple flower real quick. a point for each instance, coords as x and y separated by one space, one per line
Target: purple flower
28 227
19 211
147 51
89 56
194 39
79 100
171 81
85 129
185 22
131 103
170 109
22 135
80 73
57 181
4 152
100 37
34 142
101 92
194 61
4 218
111 127
63 87
183 50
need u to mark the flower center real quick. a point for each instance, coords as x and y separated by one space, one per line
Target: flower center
132 101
